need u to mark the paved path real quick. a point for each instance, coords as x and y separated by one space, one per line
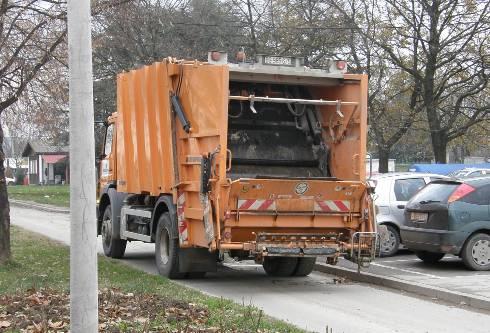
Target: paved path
313 302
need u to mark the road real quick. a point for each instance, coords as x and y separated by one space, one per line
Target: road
313 302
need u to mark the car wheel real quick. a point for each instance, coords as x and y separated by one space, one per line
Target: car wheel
476 252
280 266
167 249
429 257
304 267
389 246
113 248
11 184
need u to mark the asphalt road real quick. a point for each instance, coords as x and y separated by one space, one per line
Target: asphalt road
313 302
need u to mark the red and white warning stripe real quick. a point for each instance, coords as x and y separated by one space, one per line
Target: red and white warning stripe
183 232
256 204
334 206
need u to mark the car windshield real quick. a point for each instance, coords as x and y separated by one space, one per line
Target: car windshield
439 192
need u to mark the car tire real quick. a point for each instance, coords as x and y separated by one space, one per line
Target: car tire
429 257
280 266
113 248
304 266
476 252
167 249
390 246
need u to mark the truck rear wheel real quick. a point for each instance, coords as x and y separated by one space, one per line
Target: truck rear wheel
304 267
167 249
113 248
280 266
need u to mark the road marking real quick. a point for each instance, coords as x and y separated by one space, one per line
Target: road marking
399 260
408 271
241 265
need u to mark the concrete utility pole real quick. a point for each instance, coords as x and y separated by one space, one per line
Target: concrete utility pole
83 252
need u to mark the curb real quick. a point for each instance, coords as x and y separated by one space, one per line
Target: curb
453 297
33 205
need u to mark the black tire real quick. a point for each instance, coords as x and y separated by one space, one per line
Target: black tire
280 266
390 247
304 267
167 249
429 257
113 248
476 252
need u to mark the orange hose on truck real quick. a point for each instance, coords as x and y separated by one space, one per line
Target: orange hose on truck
262 160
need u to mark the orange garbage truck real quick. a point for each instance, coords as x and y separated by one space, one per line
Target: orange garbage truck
260 160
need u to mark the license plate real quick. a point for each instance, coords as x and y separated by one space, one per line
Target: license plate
418 217
278 61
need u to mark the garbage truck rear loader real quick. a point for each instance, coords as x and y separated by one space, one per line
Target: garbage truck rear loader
262 160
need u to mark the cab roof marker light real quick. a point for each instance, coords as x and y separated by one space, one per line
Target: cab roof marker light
460 192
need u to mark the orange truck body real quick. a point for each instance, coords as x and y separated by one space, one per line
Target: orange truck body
149 155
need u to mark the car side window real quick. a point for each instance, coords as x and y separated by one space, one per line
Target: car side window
481 196
406 188
108 140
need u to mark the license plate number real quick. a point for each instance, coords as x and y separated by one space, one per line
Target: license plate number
418 217
278 61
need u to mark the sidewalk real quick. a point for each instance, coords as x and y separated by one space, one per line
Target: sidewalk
43 207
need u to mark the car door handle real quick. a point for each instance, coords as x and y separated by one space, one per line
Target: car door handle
401 206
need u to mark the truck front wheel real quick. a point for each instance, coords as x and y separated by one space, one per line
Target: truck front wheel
167 249
280 266
113 248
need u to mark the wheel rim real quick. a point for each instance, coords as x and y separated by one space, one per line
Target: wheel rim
481 252
164 246
389 244
106 231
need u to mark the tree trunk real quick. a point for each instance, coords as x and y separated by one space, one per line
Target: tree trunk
4 209
384 156
439 146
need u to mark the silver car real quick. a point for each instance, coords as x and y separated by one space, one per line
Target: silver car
392 191
470 173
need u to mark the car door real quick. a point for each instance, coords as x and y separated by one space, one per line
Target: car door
403 189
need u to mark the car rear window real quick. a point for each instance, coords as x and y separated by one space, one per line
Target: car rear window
436 192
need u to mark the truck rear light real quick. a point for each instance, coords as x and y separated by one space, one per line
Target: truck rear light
227 215
341 65
460 192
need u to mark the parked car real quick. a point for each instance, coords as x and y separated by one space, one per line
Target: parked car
450 216
392 192
10 181
469 173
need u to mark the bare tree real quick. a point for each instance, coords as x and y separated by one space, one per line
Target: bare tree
443 46
30 31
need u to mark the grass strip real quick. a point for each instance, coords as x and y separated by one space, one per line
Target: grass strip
57 195
39 264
